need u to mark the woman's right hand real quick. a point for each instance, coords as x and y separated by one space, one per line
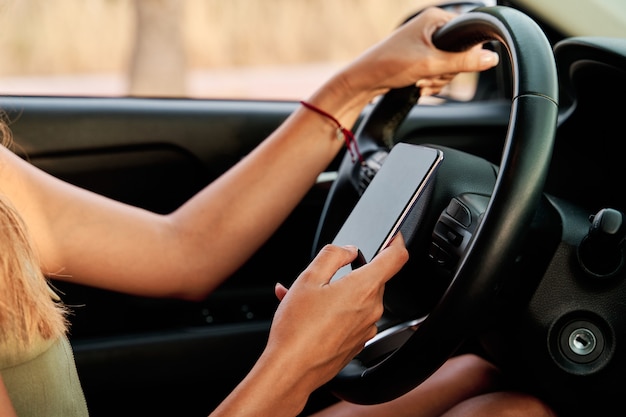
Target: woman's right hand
322 325
318 328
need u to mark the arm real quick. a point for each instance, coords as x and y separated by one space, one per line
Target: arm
300 357
150 254
6 408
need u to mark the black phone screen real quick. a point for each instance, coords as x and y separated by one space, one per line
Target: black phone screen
389 198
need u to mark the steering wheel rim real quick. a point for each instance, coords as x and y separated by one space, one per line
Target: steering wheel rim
497 240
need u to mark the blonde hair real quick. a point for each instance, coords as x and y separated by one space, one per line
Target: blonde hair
28 309
6 139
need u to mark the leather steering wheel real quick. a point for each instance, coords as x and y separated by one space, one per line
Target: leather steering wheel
505 200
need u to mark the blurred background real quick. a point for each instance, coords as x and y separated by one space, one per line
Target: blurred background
277 49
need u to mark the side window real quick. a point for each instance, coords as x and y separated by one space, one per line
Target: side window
249 49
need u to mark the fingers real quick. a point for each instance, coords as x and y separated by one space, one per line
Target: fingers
384 265
328 261
486 59
391 259
434 85
473 60
345 311
280 290
331 258
444 66
409 55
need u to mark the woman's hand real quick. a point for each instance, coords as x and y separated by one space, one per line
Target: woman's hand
408 57
323 324
318 328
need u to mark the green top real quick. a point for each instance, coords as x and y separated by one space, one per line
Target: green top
44 382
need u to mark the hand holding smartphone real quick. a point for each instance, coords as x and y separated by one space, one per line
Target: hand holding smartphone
387 201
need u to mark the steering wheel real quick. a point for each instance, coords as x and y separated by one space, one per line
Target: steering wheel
495 206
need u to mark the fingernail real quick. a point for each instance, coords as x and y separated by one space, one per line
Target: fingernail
489 58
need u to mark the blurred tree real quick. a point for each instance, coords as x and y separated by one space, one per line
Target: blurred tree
158 61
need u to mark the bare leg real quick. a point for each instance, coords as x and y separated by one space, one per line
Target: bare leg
502 404
459 379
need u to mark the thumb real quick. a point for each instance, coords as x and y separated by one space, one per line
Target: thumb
474 59
486 59
280 290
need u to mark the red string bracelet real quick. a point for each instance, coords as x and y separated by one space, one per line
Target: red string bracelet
342 132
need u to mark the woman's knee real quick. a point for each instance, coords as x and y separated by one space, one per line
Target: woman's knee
502 404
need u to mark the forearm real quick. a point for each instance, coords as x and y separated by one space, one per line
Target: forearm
6 408
273 388
239 211
194 249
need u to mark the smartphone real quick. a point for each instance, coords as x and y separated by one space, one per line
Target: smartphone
387 201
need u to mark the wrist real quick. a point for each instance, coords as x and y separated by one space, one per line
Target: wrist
272 388
290 384
342 132
342 98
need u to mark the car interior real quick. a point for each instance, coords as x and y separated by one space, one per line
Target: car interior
516 245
